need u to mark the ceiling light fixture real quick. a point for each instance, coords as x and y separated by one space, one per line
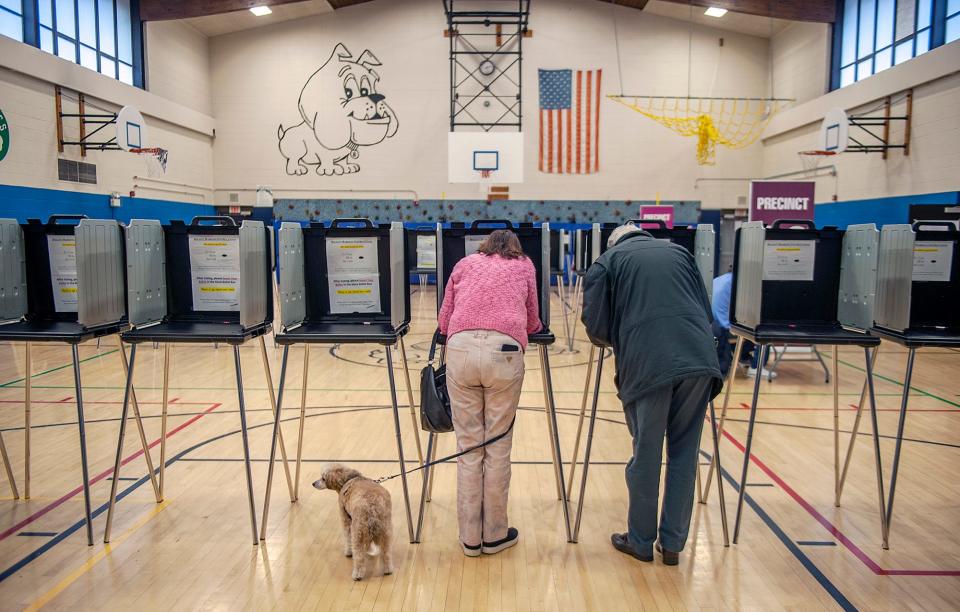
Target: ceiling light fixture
712 11
260 11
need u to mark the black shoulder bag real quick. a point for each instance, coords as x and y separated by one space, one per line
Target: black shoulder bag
435 414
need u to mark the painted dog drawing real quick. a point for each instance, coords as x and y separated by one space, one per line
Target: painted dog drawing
341 111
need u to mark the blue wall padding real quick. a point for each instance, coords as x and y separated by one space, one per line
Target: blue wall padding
882 211
24 203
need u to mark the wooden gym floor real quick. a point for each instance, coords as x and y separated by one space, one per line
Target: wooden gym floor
193 551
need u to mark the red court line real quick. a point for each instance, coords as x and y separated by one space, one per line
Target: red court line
115 403
833 529
54 504
745 406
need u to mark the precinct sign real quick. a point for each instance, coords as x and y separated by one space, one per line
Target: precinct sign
773 200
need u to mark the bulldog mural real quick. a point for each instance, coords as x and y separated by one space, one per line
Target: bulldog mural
341 110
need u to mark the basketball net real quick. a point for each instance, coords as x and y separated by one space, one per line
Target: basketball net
156 159
811 159
484 183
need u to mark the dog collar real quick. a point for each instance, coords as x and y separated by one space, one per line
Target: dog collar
348 481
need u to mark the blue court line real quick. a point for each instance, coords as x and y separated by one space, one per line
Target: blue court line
38 534
815 543
814 571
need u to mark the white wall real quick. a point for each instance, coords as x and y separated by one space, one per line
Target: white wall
257 76
801 59
178 63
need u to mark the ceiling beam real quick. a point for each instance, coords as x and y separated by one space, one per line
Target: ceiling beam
821 11
160 10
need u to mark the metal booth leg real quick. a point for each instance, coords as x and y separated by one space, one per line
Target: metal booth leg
431 440
396 425
5 459
898 446
716 453
836 424
431 457
583 412
763 348
163 414
557 456
876 450
246 443
547 395
589 447
273 443
143 436
83 443
856 427
118 462
303 416
274 405
723 411
577 292
27 388
826 370
563 305
413 409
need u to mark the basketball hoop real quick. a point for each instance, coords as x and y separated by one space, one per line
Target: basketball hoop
156 159
485 174
811 159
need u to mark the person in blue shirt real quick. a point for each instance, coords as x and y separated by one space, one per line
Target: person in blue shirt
722 286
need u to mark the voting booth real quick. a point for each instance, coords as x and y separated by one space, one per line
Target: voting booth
918 292
344 284
700 242
196 283
453 244
796 284
61 281
422 252
558 270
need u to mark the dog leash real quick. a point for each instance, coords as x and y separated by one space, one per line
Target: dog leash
496 438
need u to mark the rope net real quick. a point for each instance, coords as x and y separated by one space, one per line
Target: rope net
732 122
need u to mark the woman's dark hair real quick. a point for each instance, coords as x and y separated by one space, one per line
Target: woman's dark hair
503 243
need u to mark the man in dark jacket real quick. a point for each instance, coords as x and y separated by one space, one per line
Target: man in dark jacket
645 298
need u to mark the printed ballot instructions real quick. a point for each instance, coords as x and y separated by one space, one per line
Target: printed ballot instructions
63 272
789 260
215 272
353 274
932 260
471 244
427 252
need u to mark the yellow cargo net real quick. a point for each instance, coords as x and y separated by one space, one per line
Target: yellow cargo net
732 122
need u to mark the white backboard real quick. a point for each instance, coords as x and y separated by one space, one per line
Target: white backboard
500 153
834 131
132 130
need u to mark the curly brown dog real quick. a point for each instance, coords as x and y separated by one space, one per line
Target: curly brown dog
365 510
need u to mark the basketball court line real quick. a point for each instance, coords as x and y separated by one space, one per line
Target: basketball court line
67 365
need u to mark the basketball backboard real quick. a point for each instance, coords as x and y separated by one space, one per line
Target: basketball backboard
834 131
132 132
478 157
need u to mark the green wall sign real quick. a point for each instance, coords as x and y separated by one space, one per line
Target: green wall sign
4 136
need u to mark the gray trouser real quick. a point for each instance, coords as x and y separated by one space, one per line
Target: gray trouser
676 411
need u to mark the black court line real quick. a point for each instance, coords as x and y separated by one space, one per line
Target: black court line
37 534
815 543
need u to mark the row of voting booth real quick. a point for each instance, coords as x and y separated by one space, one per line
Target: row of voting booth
71 279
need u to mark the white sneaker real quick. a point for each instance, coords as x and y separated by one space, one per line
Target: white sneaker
764 372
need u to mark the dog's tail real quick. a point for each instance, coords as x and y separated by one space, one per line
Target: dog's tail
280 131
374 549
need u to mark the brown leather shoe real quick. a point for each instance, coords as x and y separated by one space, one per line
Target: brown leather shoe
669 557
621 543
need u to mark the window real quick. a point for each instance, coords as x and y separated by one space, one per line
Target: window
102 35
11 19
873 35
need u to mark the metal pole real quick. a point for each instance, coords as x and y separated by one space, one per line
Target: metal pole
563 306
118 462
898 446
557 457
163 415
763 348
577 291
27 388
274 405
413 408
7 468
716 453
273 444
436 443
881 502
303 418
589 447
148 458
83 444
546 413
723 411
836 426
396 425
856 428
246 444
423 492
583 412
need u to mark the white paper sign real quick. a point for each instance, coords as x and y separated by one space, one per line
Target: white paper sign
63 272
427 252
788 260
353 274
215 272
471 244
932 260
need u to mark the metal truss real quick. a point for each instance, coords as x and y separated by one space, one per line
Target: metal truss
869 140
86 142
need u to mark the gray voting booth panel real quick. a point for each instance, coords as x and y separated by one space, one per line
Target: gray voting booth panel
293 300
858 276
750 273
595 242
398 275
705 253
13 272
253 274
894 277
545 272
101 298
146 272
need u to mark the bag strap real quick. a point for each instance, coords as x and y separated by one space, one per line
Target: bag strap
433 346
496 438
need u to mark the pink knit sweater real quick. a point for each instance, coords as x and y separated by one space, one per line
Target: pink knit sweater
492 293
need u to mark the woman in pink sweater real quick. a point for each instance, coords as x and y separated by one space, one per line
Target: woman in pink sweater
489 308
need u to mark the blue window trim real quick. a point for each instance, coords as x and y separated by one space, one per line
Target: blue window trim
31 35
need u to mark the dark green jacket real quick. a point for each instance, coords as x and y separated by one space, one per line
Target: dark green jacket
645 298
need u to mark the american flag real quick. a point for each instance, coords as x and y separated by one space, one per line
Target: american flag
570 121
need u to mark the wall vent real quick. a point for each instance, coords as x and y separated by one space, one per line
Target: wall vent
76 172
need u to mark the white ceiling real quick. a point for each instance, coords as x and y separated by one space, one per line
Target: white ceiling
735 22
215 25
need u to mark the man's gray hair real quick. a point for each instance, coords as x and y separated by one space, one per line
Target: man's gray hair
621 232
